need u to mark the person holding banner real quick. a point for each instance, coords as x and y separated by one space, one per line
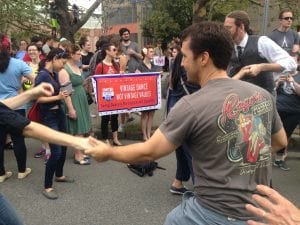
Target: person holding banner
109 66
147 66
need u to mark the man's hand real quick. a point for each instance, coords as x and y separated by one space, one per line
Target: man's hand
99 150
253 70
44 89
130 51
244 71
81 143
275 209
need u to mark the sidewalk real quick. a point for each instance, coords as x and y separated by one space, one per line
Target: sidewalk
132 130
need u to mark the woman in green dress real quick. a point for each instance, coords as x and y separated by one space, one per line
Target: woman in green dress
77 109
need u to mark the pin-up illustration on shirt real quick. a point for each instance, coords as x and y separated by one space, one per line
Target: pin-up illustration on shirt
245 124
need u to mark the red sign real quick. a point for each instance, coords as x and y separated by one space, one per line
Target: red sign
121 93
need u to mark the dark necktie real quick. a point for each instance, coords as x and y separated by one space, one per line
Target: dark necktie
240 52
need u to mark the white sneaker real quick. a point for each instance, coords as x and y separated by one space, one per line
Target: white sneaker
5 176
25 174
92 115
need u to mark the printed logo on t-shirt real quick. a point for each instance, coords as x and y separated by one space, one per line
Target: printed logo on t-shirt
245 125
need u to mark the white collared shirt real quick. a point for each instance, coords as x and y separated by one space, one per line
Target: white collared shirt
273 53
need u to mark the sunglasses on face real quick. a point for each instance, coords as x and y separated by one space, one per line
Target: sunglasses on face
288 18
114 49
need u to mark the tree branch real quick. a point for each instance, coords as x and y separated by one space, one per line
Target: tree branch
87 15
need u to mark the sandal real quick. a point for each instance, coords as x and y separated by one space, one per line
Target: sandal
66 179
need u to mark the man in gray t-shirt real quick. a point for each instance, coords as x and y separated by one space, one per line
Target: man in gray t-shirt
230 126
284 36
131 49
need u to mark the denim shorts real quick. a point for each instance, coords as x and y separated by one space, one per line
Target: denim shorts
190 212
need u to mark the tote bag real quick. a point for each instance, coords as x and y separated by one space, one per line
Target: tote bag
34 113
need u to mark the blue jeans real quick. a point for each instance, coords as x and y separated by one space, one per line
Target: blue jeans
184 159
289 121
190 212
20 150
8 214
56 120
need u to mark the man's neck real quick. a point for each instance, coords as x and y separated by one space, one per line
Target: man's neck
212 74
239 39
283 29
126 42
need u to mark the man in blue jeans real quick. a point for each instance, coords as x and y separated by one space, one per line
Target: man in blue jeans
14 123
231 128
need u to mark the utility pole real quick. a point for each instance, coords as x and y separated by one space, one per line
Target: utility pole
266 17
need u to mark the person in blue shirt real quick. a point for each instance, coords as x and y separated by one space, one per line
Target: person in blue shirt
11 72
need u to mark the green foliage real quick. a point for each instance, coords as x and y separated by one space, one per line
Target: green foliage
167 19
160 25
217 10
23 15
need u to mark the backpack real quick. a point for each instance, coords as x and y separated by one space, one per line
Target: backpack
94 61
144 168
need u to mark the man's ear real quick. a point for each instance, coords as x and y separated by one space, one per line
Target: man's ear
242 27
203 58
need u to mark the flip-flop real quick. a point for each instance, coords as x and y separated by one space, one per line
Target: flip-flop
65 180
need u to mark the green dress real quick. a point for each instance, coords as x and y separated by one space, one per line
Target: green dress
82 125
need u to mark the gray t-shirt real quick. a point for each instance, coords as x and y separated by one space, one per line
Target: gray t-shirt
227 125
285 40
133 62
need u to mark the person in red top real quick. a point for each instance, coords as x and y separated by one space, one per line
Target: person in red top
109 66
39 43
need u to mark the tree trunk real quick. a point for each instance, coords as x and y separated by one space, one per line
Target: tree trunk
65 18
199 10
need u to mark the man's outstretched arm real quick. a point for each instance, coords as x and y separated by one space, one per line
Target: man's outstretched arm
156 147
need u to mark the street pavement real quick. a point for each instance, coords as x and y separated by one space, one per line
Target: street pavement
108 193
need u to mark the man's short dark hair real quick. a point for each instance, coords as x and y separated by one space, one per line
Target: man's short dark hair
241 17
35 39
284 11
123 30
213 38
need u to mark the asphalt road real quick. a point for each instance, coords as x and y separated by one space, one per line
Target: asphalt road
108 193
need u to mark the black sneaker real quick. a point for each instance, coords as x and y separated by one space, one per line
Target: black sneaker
281 164
178 191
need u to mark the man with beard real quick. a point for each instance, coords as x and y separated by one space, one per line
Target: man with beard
255 57
130 49
224 183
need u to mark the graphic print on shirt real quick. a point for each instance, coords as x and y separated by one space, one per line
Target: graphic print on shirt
245 125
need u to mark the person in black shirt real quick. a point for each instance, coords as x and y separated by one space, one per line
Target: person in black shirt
15 123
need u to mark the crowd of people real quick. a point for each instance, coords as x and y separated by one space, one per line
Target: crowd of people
225 145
